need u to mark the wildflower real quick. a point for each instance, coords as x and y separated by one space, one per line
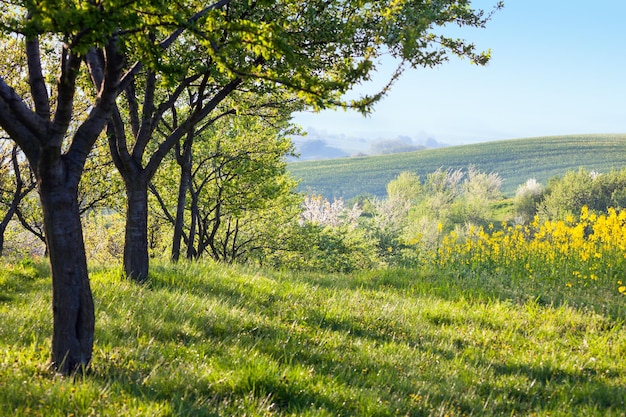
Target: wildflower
584 213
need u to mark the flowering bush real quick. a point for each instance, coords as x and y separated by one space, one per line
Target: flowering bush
588 251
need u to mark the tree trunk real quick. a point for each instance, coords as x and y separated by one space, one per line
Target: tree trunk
72 303
192 253
185 163
136 237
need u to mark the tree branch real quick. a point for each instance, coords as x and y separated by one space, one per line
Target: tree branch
19 132
188 124
36 80
117 142
133 107
70 64
88 132
167 42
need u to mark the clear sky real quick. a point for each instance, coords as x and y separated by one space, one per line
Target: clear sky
558 67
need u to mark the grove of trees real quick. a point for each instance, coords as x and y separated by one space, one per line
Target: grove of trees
153 76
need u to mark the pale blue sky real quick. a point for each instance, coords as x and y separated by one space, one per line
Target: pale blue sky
558 67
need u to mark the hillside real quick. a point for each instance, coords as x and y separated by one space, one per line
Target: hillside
515 160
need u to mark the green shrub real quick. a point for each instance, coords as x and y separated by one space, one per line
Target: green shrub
325 248
566 196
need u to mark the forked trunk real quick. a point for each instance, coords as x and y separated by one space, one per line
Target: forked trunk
136 237
72 302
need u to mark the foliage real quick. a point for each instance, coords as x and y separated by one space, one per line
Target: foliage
237 183
316 247
405 187
387 218
393 146
527 196
451 198
567 195
21 244
103 232
208 340
312 52
515 161
318 210
318 50
326 238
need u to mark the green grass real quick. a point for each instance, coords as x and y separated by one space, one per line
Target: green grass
515 160
210 340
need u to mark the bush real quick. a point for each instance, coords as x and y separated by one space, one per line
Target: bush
328 249
567 196
527 196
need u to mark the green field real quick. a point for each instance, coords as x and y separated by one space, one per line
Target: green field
515 160
211 340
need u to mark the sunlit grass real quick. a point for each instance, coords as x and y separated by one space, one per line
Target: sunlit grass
211 340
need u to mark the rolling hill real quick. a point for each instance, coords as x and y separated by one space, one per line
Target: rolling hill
515 160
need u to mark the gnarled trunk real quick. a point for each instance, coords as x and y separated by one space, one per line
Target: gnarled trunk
136 235
72 302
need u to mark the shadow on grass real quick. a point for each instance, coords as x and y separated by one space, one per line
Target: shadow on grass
274 345
207 343
586 389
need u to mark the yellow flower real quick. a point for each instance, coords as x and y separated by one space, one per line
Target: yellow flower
622 289
584 213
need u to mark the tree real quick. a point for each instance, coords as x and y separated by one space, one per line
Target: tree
390 216
327 238
566 196
41 121
316 49
41 133
479 191
235 176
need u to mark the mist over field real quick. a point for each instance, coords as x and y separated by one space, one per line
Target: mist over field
320 145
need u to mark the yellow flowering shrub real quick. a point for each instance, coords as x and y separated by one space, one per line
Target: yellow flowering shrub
584 251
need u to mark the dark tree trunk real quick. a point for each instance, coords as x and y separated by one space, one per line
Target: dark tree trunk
136 260
185 162
192 253
72 303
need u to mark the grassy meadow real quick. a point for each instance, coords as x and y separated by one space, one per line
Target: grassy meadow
515 160
213 340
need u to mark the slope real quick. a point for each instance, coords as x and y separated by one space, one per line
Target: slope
516 161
